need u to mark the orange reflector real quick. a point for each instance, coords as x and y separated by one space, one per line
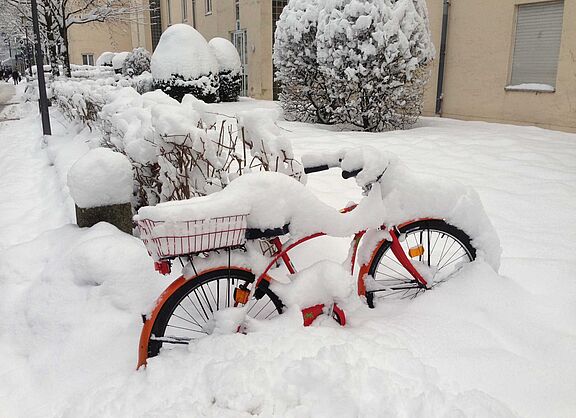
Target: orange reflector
241 295
416 251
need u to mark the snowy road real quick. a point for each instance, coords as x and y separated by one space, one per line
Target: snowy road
485 345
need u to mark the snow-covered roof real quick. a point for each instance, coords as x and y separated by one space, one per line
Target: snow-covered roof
226 54
182 50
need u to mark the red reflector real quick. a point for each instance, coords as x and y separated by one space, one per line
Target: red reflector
162 267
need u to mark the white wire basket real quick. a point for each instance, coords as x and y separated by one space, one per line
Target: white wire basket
168 239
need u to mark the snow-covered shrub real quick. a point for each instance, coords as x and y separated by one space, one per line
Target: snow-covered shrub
105 59
137 62
118 61
177 150
304 95
183 63
362 62
230 68
91 72
375 55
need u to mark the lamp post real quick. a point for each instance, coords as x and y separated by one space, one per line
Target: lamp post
40 69
28 57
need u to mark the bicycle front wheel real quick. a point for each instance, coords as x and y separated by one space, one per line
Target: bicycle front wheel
189 313
437 249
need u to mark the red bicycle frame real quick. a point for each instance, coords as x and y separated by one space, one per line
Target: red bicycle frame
282 253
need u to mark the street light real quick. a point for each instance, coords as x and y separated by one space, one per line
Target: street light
40 70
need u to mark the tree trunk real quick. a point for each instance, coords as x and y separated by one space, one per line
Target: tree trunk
65 44
52 51
65 53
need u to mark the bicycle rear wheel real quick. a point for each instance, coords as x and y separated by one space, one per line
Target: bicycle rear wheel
435 248
189 313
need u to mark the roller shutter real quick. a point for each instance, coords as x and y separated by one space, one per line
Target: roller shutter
537 43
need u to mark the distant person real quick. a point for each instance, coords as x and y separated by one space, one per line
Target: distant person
15 77
6 75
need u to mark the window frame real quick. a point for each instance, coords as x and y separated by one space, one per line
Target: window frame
207 7
184 10
169 11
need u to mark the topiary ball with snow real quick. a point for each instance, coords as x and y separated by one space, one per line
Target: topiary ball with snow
105 59
230 68
101 177
137 62
118 61
183 63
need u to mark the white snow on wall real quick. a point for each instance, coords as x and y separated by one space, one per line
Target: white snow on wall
101 177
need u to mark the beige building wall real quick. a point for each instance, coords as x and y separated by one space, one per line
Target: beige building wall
96 38
255 18
478 65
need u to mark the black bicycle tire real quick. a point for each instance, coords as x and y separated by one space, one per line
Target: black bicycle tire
439 225
163 318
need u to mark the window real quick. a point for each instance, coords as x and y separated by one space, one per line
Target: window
208 6
238 38
169 7
87 59
184 10
237 13
155 22
536 46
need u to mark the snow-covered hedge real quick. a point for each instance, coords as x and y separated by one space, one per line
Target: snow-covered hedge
230 68
118 61
177 150
183 63
362 62
137 62
105 59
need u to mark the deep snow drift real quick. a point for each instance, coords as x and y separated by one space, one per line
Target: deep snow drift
483 345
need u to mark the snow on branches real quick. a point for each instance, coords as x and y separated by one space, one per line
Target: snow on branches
177 150
362 62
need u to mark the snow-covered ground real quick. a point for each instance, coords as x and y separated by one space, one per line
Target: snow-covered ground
483 345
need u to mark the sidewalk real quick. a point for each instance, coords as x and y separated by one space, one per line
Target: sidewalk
31 196
7 91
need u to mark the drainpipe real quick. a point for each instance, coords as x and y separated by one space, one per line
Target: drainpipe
194 14
440 84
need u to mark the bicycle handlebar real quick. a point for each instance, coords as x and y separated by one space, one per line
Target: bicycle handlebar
348 174
324 167
315 169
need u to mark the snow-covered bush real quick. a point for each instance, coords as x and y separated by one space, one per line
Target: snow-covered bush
183 63
118 61
230 68
137 62
304 96
91 72
362 62
374 54
177 150
105 59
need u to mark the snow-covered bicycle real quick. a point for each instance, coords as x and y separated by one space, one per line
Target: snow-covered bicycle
407 239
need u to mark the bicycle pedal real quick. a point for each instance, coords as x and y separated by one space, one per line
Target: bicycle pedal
311 313
241 295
